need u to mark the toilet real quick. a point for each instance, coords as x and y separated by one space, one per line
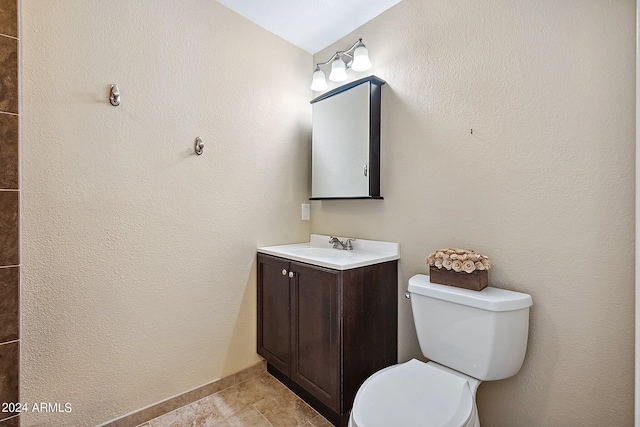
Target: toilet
468 336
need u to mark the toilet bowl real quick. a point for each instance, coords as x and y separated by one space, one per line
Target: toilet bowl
416 394
468 336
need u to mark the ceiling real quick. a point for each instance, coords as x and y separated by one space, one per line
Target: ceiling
310 24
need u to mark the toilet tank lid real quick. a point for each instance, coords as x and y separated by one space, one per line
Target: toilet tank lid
490 299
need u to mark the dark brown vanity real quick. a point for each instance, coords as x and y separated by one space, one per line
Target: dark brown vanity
324 331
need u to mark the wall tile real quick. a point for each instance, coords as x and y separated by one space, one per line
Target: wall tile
10 422
8 18
8 151
9 303
9 368
8 74
9 204
9 228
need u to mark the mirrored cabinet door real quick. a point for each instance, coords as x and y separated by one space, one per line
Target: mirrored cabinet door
346 142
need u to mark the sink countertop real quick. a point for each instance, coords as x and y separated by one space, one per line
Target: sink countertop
318 251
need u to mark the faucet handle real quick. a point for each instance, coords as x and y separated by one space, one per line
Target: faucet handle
336 242
348 246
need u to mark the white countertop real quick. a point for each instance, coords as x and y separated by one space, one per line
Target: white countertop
318 251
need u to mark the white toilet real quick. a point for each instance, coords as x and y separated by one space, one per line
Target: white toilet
468 336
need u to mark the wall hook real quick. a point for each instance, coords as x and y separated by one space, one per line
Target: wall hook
199 146
114 96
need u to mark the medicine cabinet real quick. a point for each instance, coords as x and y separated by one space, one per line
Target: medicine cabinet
346 142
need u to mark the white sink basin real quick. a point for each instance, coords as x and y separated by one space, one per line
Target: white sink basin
327 253
318 251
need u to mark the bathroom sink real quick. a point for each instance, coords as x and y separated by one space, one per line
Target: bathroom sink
318 251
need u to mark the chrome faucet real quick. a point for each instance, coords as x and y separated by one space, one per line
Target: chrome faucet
338 244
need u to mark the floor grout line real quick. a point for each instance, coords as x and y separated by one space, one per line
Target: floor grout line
262 415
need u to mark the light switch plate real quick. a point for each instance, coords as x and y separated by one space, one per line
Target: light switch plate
306 211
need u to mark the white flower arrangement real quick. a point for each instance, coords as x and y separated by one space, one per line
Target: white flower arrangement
459 260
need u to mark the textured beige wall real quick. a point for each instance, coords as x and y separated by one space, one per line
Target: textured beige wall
139 271
545 185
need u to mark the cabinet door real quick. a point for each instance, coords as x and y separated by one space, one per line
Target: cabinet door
316 333
345 158
274 320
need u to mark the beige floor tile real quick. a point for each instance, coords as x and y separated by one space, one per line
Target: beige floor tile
259 401
320 421
201 413
248 417
230 401
254 389
285 409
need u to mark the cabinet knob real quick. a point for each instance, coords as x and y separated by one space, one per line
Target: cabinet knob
284 271
291 274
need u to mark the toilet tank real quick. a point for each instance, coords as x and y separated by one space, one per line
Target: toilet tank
480 333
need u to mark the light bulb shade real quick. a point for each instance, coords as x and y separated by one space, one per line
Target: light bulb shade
319 81
338 71
361 59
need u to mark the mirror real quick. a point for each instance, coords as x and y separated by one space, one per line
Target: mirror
346 142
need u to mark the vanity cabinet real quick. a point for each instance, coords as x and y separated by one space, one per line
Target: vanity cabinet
323 331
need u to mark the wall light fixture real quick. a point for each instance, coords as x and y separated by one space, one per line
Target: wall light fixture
356 58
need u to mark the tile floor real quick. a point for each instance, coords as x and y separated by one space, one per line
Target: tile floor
260 401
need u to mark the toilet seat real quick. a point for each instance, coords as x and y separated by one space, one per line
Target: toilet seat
414 394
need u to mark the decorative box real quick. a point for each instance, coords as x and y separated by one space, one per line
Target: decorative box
476 280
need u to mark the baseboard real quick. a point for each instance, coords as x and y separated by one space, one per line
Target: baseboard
141 416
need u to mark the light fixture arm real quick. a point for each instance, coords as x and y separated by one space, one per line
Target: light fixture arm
348 53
